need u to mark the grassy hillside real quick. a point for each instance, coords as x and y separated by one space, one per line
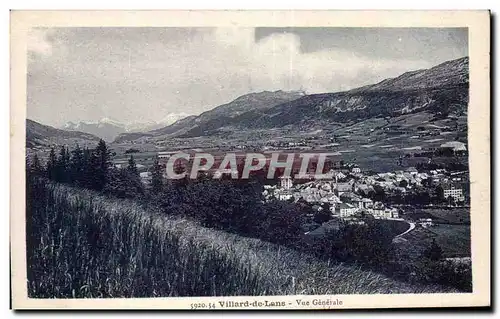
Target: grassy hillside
83 245
38 134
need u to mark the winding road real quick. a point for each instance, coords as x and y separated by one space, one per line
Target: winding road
412 227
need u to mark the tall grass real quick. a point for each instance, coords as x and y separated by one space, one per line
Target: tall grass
83 245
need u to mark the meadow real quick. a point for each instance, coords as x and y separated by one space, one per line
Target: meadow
81 244
456 216
453 239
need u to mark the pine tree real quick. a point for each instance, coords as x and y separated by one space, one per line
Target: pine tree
439 192
157 177
102 165
36 167
123 184
62 166
86 170
132 167
95 178
52 165
433 252
77 166
67 165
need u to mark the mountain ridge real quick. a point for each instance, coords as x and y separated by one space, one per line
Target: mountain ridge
108 129
257 101
441 89
38 134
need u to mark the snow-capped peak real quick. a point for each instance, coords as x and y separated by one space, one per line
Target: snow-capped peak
135 126
172 117
107 120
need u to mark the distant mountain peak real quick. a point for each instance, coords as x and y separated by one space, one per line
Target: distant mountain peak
172 118
107 120
108 128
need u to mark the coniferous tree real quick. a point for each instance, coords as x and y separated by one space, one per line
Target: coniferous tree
434 251
77 166
439 192
96 179
132 166
86 178
52 165
90 170
62 166
123 184
157 177
102 165
36 167
67 166
68 157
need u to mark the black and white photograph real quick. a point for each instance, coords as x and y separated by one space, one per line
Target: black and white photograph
312 162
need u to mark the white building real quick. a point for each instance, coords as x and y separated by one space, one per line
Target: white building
339 175
166 154
394 213
346 210
286 182
425 222
379 211
344 187
284 195
366 202
455 146
454 192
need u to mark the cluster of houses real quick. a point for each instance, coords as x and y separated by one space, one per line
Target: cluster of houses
338 197
347 193
392 181
403 181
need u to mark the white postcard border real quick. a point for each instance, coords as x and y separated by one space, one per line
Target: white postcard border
478 23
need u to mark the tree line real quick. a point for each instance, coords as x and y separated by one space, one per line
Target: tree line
92 168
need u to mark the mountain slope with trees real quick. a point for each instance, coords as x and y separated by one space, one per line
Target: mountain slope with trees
441 90
217 117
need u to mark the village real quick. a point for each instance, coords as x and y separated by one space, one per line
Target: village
351 195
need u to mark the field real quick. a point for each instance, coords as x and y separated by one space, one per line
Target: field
453 239
372 143
395 227
445 215
451 230
84 245
459 216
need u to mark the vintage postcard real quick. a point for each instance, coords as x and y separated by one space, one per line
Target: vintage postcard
222 160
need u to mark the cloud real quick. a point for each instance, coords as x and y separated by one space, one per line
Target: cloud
37 42
148 73
277 62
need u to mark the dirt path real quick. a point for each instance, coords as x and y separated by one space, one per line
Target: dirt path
412 227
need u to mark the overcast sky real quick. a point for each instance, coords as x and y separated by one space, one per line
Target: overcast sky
145 74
